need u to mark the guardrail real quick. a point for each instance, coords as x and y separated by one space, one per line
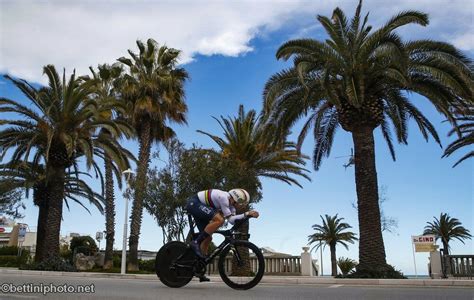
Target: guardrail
461 265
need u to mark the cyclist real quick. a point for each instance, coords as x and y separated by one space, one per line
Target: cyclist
210 208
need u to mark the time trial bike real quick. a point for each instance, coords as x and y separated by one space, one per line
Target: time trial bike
241 264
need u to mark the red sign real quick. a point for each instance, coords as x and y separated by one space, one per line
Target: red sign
424 239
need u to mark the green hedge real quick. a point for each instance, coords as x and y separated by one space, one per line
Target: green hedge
13 260
146 265
8 261
9 258
9 250
50 264
117 260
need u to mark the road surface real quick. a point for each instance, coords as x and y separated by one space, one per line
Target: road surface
117 289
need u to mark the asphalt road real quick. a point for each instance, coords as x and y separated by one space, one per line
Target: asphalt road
116 289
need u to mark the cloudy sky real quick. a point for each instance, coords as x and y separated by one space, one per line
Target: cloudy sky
76 34
229 51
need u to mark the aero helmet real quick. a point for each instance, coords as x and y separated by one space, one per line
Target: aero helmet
240 196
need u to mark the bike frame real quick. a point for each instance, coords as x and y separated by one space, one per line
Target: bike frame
228 240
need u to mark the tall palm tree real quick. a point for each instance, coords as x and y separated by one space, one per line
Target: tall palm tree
249 149
466 131
447 229
332 232
359 79
106 93
154 91
59 125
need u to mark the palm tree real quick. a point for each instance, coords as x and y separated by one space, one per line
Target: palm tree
332 232
60 126
249 142
106 93
346 265
27 175
466 131
360 80
447 229
248 148
154 90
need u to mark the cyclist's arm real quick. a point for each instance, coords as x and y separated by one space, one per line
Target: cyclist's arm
233 218
229 214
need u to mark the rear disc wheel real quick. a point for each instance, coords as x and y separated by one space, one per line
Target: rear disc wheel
168 272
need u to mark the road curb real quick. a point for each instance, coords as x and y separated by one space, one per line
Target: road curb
306 280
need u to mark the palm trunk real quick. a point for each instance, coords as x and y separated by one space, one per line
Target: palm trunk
333 260
55 187
109 214
245 269
40 232
40 199
447 261
140 186
445 246
371 246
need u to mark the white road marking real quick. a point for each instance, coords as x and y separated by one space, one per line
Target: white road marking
335 286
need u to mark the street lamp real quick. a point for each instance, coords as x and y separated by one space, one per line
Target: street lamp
127 174
321 252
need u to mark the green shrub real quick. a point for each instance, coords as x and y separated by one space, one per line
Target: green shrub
8 261
385 272
50 264
346 265
83 244
146 265
117 260
9 256
9 250
65 253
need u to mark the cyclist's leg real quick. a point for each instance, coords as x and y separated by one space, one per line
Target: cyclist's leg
203 216
204 237
205 245
216 222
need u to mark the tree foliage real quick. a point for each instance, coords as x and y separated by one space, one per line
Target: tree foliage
465 131
249 146
446 229
186 172
11 200
346 265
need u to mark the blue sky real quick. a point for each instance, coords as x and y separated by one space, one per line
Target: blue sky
229 58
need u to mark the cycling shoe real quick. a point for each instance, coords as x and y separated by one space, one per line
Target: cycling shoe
203 278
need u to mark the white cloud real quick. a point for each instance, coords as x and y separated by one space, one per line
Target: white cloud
83 33
465 41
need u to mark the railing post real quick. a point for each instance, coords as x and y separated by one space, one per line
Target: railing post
435 265
306 263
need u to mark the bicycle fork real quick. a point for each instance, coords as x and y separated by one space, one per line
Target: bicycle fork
237 256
